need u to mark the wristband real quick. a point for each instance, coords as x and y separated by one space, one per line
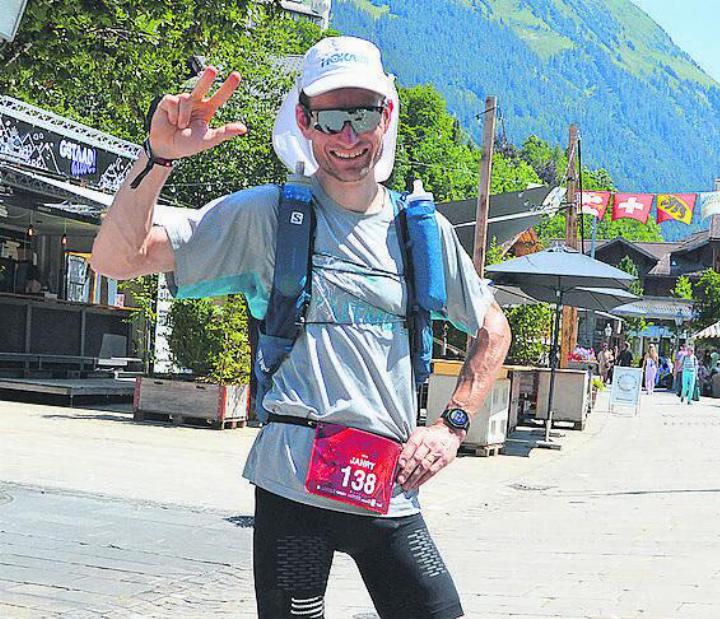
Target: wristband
152 161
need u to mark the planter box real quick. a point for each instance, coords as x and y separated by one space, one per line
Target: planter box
181 402
571 398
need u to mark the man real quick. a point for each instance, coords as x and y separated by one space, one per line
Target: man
604 362
625 357
351 364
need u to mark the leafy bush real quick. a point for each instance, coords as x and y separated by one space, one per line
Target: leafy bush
211 339
530 327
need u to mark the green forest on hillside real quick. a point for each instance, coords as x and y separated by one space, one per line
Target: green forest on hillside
647 112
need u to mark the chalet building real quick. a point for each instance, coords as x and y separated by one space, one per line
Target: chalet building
317 11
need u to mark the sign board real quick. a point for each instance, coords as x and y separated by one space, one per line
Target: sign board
10 15
52 152
626 387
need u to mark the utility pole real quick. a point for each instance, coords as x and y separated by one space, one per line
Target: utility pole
483 200
568 341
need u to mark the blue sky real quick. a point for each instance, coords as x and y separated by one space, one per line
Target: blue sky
693 25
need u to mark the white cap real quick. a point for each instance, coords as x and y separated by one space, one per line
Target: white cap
331 64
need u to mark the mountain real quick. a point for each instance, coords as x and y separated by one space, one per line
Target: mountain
646 111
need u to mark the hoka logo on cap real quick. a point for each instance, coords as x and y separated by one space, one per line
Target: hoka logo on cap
342 57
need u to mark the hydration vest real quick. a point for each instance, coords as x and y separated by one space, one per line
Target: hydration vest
290 294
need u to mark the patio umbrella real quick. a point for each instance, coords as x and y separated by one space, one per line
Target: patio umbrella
560 275
598 299
507 296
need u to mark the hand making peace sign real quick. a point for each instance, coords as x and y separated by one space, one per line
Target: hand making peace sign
180 126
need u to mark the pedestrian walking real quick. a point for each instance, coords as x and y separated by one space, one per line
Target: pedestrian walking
677 370
689 375
651 364
625 358
604 362
347 377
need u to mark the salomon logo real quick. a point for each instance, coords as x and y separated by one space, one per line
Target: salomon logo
296 218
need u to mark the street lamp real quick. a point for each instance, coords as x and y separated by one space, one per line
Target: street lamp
678 323
679 319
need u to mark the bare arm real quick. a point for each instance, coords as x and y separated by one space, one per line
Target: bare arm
432 448
127 244
486 356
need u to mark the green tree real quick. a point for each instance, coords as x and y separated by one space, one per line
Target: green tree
683 288
632 230
101 63
530 326
433 147
707 298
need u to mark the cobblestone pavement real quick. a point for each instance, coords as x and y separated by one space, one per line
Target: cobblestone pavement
119 520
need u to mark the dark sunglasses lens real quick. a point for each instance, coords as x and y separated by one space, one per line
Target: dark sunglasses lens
365 119
361 120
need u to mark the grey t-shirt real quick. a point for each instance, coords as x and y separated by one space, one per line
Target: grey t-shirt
351 365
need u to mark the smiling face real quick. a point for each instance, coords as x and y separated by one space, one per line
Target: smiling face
346 157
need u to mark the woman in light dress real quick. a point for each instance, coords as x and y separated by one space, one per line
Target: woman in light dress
650 365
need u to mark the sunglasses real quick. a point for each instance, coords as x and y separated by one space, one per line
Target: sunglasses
361 119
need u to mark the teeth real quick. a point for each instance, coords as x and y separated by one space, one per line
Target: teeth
349 155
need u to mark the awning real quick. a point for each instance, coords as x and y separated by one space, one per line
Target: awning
657 332
659 308
708 332
510 214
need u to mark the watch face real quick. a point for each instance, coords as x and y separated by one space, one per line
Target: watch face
457 417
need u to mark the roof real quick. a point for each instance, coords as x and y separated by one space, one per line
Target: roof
637 247
661 308
694 241
656 249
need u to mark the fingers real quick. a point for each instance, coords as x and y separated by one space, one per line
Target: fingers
169 105
185 109
225 133
421 468
204 84
427 452
225 91
433 470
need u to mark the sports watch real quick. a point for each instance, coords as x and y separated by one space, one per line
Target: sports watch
456 418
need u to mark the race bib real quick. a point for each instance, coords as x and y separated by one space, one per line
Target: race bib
353 466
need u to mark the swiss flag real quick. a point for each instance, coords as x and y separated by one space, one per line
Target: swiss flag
594 203
632 206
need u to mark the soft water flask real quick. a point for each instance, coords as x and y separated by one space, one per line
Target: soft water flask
425 249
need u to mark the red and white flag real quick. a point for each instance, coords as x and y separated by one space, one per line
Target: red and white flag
632 206
594 203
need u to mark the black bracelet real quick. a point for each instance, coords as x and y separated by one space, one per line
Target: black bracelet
152 161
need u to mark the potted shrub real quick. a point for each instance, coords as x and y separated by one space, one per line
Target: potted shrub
210 338
597 385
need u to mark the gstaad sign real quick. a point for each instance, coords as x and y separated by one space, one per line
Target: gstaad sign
82 159
46 150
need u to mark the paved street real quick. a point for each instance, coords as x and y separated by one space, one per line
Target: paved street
101 517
